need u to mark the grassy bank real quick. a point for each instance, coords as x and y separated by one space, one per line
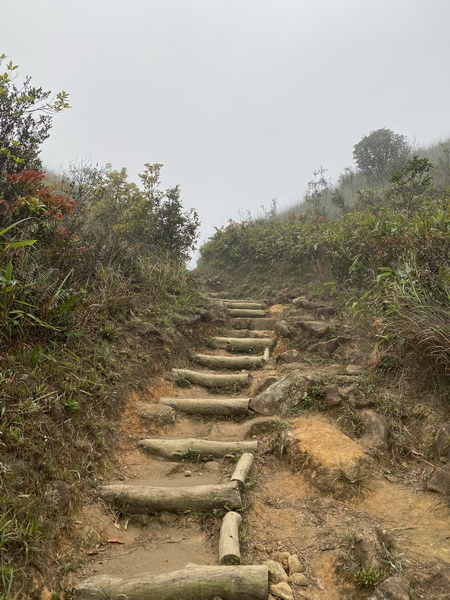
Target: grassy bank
388 263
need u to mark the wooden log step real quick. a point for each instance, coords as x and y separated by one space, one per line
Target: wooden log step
208 406
242 304
146 499
242 344
246 333
242 469
174 449
246 312
246 582
229 549
212 380
230 362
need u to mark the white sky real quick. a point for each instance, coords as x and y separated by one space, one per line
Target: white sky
240 99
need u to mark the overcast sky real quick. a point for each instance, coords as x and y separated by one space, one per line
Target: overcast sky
241 100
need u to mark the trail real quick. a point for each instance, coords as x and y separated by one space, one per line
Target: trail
312 493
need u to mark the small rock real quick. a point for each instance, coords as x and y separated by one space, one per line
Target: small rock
332 397
302 302
376 430
282 590
166 518
45 594
142 519
346 391
441 445
282 558
282 328
290 356
327 347
91 537
440 481
159 414
188 473
393 588
320 584
59 493
276 572
298 579
211 467
294 564
315 328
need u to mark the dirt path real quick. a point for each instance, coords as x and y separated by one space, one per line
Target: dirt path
313 492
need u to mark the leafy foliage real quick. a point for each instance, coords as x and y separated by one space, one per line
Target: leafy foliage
391 256
381 153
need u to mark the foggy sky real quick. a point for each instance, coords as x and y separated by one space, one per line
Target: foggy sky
241 100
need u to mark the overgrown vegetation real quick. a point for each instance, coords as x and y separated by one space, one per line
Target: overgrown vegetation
87 260
387 254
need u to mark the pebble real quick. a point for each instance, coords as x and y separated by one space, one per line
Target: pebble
187 473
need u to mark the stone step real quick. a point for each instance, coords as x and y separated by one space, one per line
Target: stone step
229 362
212 380
175 449
242 344
208 406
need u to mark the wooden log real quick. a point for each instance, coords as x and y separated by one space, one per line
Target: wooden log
208 406
244 305
229 362
242 344
179 448
191 583
242 469
246 312
212 380
246 333
229 550
146 499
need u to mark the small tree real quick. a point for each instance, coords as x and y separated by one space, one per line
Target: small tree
25 120
380 154
410 184
318 189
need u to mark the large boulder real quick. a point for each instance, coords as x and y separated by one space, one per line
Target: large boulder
282 395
